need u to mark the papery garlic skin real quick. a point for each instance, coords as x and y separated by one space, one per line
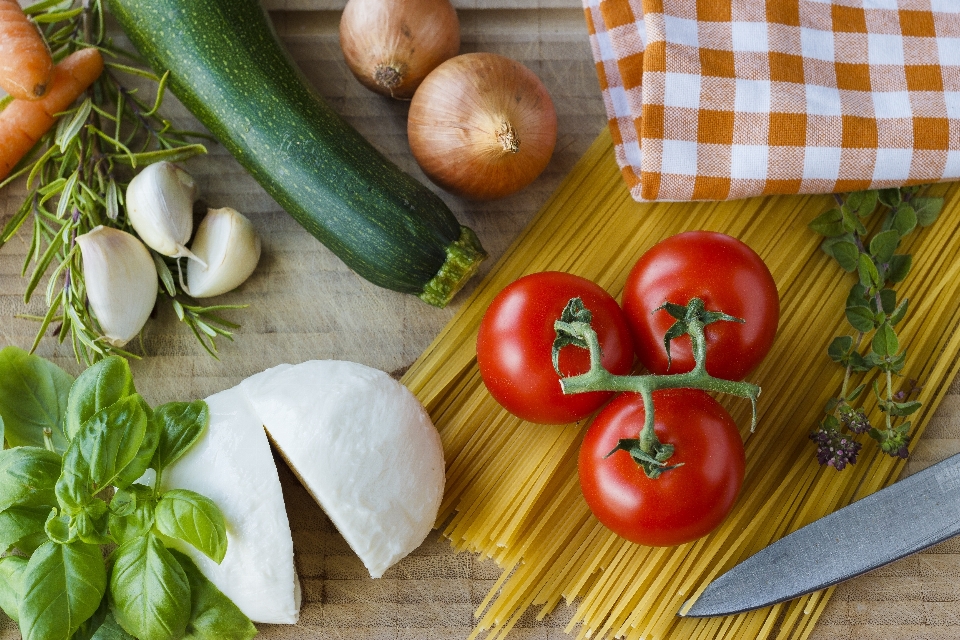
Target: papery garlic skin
229 247
121 282
160 208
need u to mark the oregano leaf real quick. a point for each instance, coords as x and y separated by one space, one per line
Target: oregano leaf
899 267
904 220
885 342
883 245
927 209
869 276
861 318
829 223
846 254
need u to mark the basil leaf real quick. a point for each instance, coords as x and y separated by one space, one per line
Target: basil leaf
149 590
111 630
136 520
213 616
73 485
58 528
89 627
63 585
191 517
16 523
32 542
28 476
148 447
11 585
100 386
111 439
181 425
33 397
92 523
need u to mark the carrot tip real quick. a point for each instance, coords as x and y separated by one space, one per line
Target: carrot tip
39 90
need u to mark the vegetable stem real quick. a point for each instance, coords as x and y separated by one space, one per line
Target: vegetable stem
597 378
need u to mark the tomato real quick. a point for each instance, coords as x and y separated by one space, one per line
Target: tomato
728 276
682 504
514 346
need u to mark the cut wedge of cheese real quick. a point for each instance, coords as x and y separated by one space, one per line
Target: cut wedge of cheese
232 465
362 445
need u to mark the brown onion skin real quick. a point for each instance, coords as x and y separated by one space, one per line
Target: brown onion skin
404 39
456 113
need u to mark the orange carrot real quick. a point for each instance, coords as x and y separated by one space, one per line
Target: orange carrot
23 122
25 63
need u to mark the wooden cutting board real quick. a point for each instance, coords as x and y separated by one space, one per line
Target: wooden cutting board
305 304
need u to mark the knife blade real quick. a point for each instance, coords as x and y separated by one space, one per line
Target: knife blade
902 519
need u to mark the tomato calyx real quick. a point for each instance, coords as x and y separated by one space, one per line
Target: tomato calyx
651 456
690 320
574 328
574 312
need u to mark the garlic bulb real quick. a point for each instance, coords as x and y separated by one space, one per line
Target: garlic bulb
160 208
121 282
391 45
229 249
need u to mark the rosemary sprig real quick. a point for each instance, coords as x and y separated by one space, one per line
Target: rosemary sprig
77 175
873 312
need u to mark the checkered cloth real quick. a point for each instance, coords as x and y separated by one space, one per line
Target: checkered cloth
723 99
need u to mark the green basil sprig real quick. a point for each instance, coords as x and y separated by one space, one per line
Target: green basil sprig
70 483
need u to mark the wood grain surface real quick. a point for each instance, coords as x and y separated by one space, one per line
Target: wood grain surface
305 304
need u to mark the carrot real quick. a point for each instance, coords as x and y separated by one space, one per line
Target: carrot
23 122
25 62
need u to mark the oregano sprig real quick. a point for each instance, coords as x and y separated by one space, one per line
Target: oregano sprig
873 312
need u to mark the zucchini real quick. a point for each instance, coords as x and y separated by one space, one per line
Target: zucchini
228 68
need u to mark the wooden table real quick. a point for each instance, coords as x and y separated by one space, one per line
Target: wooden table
305 304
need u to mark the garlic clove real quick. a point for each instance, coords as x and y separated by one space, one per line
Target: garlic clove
229 247
121 282
160 208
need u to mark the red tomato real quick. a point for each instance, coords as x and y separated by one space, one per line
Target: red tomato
728 276
682 504
515 343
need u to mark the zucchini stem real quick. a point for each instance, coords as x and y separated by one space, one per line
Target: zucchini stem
464 256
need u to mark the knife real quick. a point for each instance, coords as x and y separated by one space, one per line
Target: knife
892 523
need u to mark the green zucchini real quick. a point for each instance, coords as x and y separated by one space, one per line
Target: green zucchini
228 68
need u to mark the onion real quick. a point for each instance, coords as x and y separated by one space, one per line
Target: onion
482 126
391 45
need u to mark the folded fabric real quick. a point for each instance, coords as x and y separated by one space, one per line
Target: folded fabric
720 99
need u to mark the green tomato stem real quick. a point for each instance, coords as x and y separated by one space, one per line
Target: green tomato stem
599 379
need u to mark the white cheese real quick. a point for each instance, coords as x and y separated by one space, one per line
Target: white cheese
232 465
363 446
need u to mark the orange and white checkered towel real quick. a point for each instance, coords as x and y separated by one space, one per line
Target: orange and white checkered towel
723 99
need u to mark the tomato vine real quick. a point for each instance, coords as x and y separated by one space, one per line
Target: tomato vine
573 328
